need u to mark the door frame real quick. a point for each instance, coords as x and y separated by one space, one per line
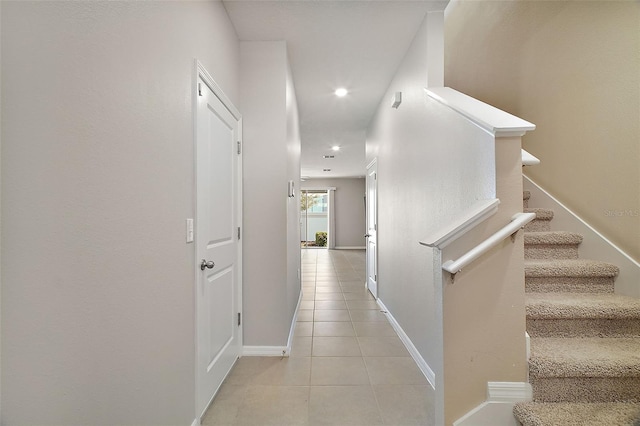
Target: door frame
200 72
331 222
372 164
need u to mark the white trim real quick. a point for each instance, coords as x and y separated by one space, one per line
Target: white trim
317 188
518 221
594 245
331 218
195 422
201 73
375 160
489 414
217 90
528 159
498 409
460 225
351 248
264 351
239 246
509 392
485 116
293 323
422 364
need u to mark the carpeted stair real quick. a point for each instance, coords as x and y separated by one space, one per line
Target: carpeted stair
585 340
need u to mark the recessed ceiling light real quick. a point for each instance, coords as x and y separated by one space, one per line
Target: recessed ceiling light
341 92
335 148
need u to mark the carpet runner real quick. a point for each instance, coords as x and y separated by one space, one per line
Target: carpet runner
585 340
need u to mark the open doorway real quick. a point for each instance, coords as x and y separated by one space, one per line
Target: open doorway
314 218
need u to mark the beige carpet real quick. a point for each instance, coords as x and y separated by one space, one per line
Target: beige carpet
585 347
579 414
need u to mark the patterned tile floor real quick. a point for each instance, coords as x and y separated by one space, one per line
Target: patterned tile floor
347 365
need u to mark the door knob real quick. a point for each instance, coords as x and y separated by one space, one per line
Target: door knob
367 235
210 264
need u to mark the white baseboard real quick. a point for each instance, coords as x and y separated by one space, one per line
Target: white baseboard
264 351
292 329
275 350
422 364
498 409
351 248
509 392
594 245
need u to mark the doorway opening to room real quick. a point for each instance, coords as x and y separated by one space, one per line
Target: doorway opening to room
314 218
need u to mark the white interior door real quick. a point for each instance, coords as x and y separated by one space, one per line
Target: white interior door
217 242
372 228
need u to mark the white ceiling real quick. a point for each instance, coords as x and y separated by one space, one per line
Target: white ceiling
356 44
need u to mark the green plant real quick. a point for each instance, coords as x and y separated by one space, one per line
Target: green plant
307 201
321 239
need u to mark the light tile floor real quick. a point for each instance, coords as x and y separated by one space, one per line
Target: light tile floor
347 365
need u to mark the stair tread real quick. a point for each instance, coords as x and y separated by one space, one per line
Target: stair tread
552 237
569 268
585 357
541 214
581 306
577 413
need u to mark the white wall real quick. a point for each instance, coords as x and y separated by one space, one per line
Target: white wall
0 207
293 272
313 222
348 209
97 181
271 225
432 165
420 184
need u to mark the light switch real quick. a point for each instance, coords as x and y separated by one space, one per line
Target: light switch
189 230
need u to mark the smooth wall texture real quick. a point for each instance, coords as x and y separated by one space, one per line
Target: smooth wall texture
349 209
432 165
0 208
97 181
271 159
573 68
484 313
423 179
294 148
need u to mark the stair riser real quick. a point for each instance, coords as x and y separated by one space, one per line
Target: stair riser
582 414
538 225
550 251
583 327
585 389
569 284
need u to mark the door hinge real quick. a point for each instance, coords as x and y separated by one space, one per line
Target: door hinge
239 147
238 232
199 89
375 277
239 319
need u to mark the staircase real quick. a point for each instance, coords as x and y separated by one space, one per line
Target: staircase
585 340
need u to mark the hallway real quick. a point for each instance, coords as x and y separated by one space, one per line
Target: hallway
347 366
